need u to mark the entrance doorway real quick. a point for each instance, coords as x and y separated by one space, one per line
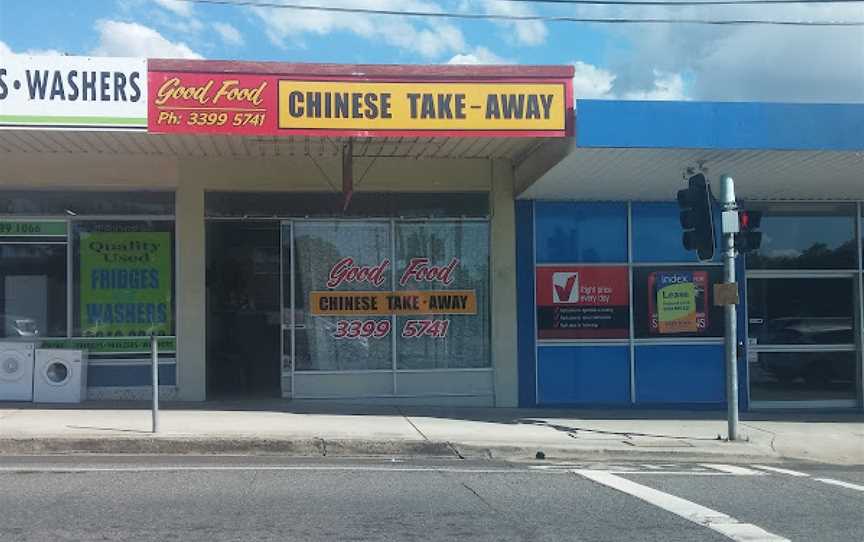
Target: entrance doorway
243 309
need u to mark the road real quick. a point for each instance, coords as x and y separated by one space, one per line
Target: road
62 498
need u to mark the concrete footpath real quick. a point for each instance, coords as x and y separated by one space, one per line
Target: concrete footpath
314 429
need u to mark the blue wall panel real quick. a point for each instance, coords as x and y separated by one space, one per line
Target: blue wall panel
129 375
680 374
583 374
719 125
570 232
525 301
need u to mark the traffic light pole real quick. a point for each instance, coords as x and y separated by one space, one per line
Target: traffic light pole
729 206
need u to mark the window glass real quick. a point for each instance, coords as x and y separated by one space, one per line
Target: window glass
124 278
801 311
802 376
805 237
671 302
581 232
335 256
32 290
657 234
451 260
70 204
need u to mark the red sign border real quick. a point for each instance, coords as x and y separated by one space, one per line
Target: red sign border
432 74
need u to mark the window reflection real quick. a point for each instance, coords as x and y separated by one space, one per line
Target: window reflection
802 376
800 238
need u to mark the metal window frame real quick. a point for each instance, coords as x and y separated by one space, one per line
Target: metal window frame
394 369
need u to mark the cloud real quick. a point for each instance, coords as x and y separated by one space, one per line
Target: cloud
428 38
5 50
118 38
184 9
768 63
229 34
590 81
480 55
530 33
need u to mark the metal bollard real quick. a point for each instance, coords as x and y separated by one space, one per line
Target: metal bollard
154 351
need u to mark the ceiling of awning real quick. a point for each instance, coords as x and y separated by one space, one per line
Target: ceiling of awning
140 143
657 174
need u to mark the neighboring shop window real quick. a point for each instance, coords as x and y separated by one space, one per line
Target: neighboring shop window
796 311
805 237
448 264
71 204
657 234
676 301
33 279
124 278
581 232
342 332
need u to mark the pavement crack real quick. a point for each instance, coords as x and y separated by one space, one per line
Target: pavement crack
412 424
480 497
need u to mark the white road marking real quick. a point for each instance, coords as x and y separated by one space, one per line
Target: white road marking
778 470
841 483
714 520
181 468
733 469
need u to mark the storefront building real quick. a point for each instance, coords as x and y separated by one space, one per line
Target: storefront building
298 231
600 257
418 235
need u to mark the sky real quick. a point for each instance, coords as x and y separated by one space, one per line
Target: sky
660 61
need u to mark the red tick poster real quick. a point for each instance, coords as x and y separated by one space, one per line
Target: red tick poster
582 302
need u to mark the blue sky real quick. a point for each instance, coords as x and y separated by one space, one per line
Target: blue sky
637 62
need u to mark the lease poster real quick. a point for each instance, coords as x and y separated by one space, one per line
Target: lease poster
125 284
678 302
582 302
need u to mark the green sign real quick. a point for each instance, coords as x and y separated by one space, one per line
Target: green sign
117 345
125 284
676 308
32 228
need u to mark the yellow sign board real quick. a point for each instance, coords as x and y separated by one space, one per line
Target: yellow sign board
399 303
335 105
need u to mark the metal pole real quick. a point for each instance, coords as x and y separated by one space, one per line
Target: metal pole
727 192
154 351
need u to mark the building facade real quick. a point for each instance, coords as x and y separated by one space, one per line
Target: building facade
418 235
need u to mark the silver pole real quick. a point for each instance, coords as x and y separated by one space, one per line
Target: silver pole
154 350
727 193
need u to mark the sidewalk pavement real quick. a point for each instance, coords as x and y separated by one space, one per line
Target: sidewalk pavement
316 429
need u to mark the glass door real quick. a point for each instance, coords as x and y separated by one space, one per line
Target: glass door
801 334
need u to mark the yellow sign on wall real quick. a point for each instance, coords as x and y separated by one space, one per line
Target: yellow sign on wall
342 303
457 107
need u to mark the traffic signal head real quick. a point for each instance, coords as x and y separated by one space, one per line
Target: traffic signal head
697 219
748 238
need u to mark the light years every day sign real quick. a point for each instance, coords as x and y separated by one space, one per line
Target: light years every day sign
73 92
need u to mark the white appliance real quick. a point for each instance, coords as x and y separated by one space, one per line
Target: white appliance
60 376
16 371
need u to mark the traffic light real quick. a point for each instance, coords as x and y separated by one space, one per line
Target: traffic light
748 237
697 220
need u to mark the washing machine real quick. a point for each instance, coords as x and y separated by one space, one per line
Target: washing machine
60 376
16 371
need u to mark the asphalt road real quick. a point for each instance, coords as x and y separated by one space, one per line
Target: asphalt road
261 499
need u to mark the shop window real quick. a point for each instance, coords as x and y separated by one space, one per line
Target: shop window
657 234
800 311
32 290
71 204
124 278
457 334
805 237
803 376
363 204
676 302
581 232
339 256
